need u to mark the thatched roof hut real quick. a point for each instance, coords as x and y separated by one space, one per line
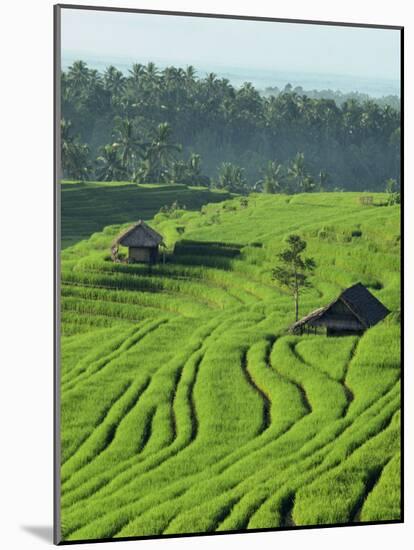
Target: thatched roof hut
142 242
352 312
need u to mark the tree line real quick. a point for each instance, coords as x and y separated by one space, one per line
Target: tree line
338 96
129 159
157 125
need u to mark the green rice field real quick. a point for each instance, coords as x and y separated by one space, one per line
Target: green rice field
186 404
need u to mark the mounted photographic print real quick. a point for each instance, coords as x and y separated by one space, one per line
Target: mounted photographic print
228 274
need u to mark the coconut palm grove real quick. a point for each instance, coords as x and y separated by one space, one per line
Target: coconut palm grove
171 125
188 403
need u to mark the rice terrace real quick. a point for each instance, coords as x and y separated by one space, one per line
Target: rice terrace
229 250
187 405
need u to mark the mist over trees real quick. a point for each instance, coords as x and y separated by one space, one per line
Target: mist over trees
169 125
337 95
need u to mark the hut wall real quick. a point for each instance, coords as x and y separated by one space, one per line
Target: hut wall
140 254
154 254
339 317
345 322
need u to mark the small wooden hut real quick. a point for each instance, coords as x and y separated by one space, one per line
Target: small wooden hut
355 310
142 241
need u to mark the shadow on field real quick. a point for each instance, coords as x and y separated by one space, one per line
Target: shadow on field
43 532
88 207
205 253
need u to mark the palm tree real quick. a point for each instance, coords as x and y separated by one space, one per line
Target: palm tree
273 177
190 73
144 170
351 117
161 150
297 171
98 98
211 81
115 82
249 103
110 166
323 180
65 87
95 79
170 76
288 110
74 155
137 72
179 172
194 165
80 166
171 84
66 142
151 74
190 79
188 172
231 177
309 184
78 77
391 188
127 143
225 176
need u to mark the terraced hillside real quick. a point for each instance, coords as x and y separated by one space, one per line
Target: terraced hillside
90 206
186 405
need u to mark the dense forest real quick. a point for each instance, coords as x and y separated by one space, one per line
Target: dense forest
338 96
169 125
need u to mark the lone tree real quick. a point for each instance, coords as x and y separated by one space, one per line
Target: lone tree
292 272
391 188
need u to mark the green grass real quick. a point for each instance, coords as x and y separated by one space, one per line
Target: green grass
186 405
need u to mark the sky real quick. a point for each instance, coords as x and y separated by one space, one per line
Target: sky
262 45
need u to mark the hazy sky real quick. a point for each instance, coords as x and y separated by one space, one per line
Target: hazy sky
263 45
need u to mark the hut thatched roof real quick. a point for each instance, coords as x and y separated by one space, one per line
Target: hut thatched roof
364 305
361 303
139 235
